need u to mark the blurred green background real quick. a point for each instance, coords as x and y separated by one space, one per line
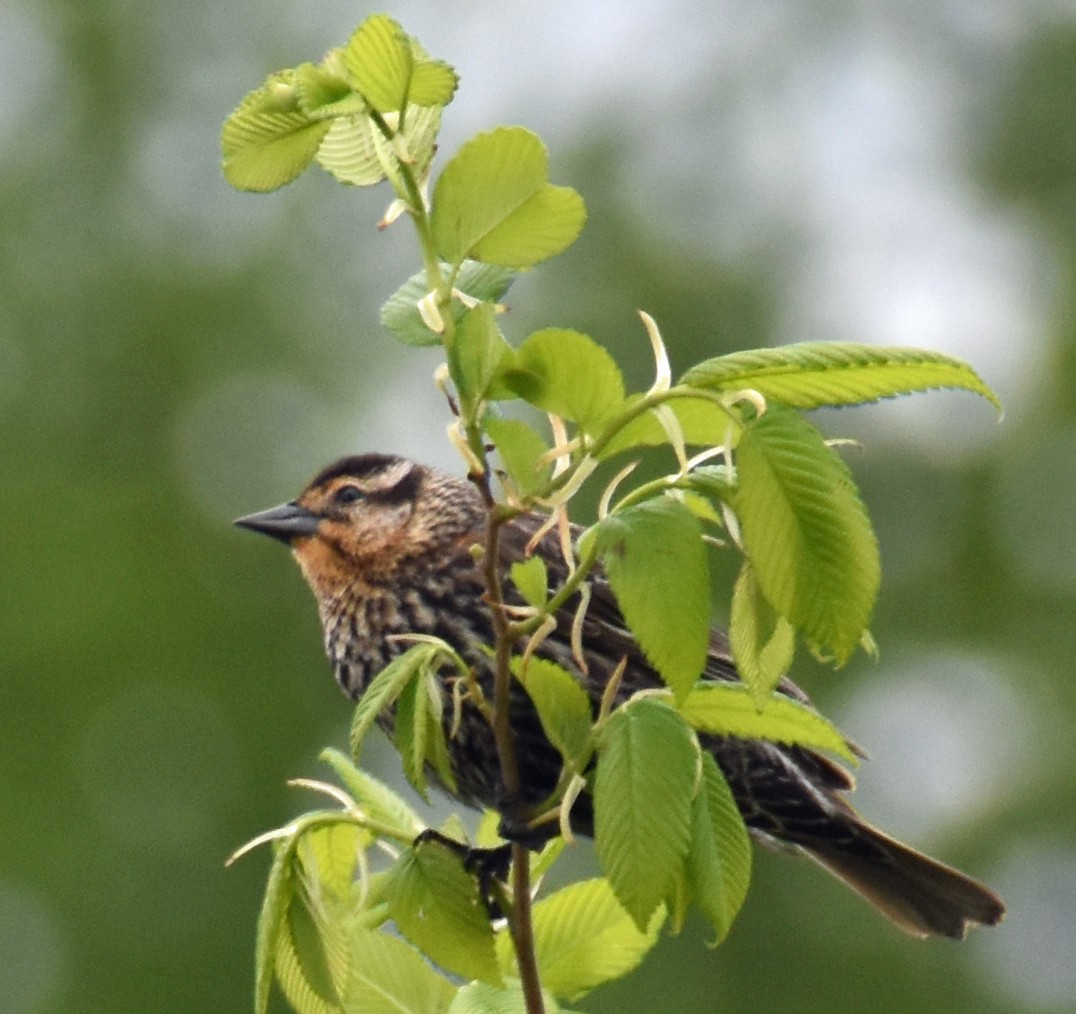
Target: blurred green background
173 354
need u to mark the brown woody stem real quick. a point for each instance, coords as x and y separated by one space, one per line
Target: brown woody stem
520 924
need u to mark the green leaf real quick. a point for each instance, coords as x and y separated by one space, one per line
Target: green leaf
582 938
763 641
268 141
563 708
569 374
702 422
279 890
532 580
481 998
647 763
656 562
719 866
304 965
813 374
330 855
386 687
477 355
374 796
320 91
356 152
400 316
388 68
412 733
390 977
493 203
729 709
806 531
520 449
436 905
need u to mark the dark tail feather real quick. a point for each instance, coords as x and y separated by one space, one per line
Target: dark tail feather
922 896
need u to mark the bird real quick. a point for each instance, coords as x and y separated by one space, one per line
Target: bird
387 546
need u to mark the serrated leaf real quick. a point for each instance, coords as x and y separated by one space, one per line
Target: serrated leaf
412 729
374 796
400 316
582 938
719 866
563 708
477 355
806 531
482 998
647 763
314 964
390 977
520 450
729 709
567 373
385 688
279 890
329 854
493 203
814 374
292 976
436 905
389 70
702 423
532 580
763 642
356 152
319 89
656 563
264 146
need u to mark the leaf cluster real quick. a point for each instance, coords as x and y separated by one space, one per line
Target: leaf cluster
534 420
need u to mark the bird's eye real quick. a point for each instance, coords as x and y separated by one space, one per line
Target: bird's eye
347 494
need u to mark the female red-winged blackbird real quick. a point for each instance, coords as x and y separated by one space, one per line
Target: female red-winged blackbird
385 544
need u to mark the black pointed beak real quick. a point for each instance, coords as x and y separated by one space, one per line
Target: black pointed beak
287 522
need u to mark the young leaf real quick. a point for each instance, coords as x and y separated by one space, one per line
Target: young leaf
520 449
482 998
293 973
563 708
375 797
762 640
476 357
386 687
356 152
730 709
387 975
568 374
647 763
436 905
702 422
400 316
268 141
813 374
532 580
493 203
415 733
279 890
330 854
388 68
656 562
806 531
583 937
719 865
305 966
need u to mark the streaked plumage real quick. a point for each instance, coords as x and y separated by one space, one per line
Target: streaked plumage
385 545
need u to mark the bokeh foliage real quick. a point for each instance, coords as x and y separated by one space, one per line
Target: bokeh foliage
162 677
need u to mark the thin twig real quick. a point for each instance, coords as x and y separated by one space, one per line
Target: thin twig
520 924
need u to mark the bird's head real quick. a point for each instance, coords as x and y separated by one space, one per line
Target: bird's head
362 517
